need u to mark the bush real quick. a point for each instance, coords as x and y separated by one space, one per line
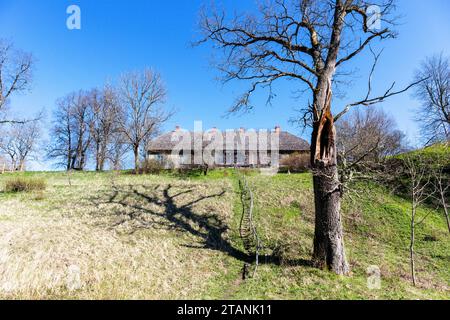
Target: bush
295 163
151 166
190 171
21 184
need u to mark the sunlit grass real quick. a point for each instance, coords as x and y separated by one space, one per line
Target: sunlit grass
120 236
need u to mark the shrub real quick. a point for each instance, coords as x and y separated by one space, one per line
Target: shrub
151 166
297 162
190 171
21 184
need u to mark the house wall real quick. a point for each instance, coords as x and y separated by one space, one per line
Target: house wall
251 159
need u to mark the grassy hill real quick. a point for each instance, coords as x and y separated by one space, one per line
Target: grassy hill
118 236
440 150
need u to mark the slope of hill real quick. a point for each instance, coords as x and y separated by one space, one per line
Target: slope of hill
92 235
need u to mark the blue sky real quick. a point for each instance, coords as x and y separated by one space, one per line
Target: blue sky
119 36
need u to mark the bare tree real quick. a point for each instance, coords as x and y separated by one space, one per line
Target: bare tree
118 147
62 147
443 189
420 179
20 143
82 137
15 76
103 123
71 137
441 180
4 166
28 136
7 148
141 95
369 135
307 41
434 94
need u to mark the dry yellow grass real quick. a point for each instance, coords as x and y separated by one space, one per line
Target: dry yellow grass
139 239
107 236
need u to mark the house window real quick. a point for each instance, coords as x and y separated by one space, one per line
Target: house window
159 158
185 158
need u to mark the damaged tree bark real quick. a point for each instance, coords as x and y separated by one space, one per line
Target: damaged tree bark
301 40
328 239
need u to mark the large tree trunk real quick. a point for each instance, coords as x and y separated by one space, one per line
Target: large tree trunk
69 151
68 167
82 161
136 159
21 165
328 239
97 156
103 155
13 163
102 165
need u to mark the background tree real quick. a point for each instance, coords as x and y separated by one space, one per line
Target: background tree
15 75
28 136
369 135
306 41
441 180
20 143
83 139
420 178
62 147
141 95
118 147
434 95
103 123
4 165
7 148
70 134
442 187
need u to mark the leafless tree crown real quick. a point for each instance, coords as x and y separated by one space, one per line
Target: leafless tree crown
70 133
15 75
295 40
369 135
434 95
141 96
19 143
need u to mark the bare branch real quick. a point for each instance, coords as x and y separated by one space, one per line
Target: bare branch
372 101
15 72
141 96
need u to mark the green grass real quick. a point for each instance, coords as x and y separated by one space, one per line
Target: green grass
434 156
176 236
376 231
439 149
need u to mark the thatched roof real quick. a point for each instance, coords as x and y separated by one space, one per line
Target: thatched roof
287 141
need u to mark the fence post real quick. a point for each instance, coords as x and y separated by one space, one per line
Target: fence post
248 230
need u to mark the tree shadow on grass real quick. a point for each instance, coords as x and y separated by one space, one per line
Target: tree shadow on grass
157 208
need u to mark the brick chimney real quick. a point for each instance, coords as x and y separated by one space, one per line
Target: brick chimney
277 129
177 128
